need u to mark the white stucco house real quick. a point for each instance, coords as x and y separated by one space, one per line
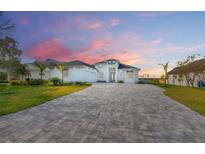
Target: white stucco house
192 74
105 71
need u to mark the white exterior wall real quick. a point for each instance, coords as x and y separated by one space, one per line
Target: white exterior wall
120 74
102 69
81 73
55 73
174 80
88 74
130 79
85 74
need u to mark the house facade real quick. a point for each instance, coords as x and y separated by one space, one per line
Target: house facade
113 71
192 74
106 71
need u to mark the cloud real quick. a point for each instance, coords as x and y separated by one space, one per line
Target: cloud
94 25
115 22
98 44
52 48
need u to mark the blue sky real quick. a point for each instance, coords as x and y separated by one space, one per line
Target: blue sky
142 39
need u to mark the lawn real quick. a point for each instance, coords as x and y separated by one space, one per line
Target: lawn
17 98
193 98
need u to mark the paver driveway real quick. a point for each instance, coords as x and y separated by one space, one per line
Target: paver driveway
106 113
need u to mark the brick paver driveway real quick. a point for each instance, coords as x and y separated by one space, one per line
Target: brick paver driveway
106 113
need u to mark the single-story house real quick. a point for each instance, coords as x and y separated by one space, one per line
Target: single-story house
192 74
112 70
106 71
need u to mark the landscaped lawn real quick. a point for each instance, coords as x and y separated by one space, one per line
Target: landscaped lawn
16 98
193 98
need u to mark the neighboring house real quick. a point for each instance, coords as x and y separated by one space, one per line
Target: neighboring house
192 74
105 71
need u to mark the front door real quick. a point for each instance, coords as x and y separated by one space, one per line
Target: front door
112 76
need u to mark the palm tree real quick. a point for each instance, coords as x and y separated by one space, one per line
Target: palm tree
42 68
23 71
165 68
61 68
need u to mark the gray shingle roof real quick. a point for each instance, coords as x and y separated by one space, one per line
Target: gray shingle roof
196 66
77 63
52 63
121 66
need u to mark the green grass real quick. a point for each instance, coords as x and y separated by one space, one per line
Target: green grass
17 98
193 98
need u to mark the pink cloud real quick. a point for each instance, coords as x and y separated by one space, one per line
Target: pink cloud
94 25
98 44
52 48
115 22
127 47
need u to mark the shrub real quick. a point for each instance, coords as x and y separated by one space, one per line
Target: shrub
18 82
82 83
87 84
78 82
3 76
101 81
4 81
142 81
120 81
55 81
36 82
68 83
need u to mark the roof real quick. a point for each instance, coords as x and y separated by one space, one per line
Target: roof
52 63
77 63
124 66
196 66
104 61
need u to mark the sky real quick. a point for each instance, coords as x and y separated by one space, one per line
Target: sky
141 39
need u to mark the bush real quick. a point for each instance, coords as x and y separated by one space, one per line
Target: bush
120 81
35 82
101 81
55 81
82 83
68 83
142 82
87 84
18 82
78 82
3 76
4 81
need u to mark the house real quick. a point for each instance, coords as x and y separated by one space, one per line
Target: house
105 71
74 71
113 71
192 74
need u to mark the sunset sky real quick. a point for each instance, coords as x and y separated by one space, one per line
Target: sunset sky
142 39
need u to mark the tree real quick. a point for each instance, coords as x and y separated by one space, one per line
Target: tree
61 68
23 71
5 26
9 55
41 67
165 68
